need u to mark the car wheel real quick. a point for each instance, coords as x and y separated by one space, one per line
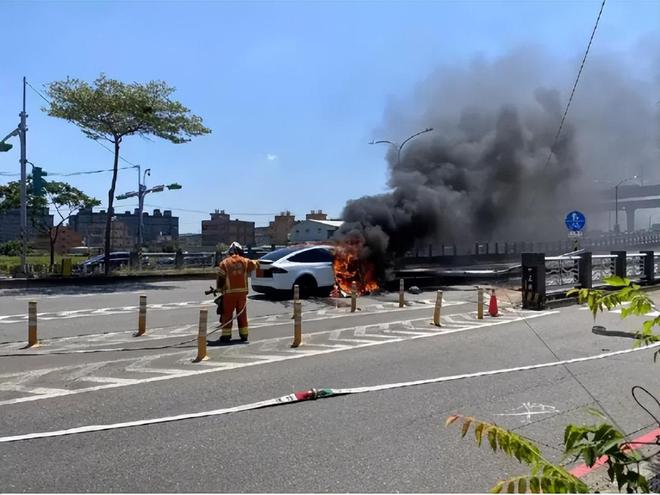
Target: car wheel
307 285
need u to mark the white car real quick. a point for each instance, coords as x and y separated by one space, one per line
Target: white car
309 267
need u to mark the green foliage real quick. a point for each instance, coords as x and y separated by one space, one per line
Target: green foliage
599 300
544 476
10 197
110 109
10 248
639 305
65 199
603 440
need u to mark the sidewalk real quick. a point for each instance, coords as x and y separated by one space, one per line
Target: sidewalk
599 481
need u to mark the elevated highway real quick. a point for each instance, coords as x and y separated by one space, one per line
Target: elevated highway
632 198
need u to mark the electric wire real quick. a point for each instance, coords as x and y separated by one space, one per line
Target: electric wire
70 174
38 92
177 345
577 79
95 140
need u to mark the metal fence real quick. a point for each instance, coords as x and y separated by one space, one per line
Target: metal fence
544 277
561 271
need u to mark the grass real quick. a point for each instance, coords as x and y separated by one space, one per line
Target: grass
8 262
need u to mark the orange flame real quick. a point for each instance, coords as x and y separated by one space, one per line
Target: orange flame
350 268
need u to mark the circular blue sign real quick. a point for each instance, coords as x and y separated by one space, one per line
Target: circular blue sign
575 221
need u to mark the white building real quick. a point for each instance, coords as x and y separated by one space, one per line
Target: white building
313 230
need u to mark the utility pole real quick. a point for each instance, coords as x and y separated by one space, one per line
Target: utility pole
142 187
24 230
140 194
20 131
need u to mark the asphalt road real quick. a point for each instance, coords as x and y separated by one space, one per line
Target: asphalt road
90 370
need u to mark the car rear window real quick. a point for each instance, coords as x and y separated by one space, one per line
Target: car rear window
312 256
279 253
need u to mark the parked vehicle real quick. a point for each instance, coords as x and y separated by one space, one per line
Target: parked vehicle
309 267
117 260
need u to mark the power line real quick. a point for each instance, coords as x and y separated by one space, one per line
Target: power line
37 91
60 174
206 212
570 99
96 141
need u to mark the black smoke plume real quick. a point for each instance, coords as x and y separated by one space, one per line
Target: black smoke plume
485 173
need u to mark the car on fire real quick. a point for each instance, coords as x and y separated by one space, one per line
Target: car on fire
309 267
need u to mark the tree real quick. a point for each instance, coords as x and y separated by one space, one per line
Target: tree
65 199
111 110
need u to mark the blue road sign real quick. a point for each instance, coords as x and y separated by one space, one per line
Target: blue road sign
575 221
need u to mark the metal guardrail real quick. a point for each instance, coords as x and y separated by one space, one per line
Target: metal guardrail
602 266
544 277
564 271
635 265
561 271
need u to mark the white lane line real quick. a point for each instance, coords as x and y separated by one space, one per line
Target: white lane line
409 332
39 391
110 379
291 398
293 354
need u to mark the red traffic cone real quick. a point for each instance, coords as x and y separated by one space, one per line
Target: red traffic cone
492 305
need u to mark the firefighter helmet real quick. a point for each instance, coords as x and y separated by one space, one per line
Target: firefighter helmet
235 248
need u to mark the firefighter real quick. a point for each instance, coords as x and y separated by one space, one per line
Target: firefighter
233 282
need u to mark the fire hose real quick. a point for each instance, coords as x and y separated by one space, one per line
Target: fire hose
218 300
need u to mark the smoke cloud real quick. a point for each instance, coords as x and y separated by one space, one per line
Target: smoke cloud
485 172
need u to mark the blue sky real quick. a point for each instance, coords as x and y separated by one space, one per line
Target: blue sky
293 91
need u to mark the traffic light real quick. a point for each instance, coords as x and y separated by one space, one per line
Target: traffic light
5 146
38 182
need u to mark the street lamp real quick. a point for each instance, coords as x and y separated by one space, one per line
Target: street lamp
616 202
400 147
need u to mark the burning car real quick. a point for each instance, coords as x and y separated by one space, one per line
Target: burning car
316 269
309 267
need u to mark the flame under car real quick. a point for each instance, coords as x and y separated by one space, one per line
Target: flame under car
309 267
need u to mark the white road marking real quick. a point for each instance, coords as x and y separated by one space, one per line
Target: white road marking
110 379
530 409
290 398
211 366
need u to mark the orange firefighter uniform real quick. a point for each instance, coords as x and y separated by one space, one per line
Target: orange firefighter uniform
233 282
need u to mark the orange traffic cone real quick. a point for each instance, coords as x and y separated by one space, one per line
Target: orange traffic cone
492 305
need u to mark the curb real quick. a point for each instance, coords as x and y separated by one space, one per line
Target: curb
582 470
23 283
